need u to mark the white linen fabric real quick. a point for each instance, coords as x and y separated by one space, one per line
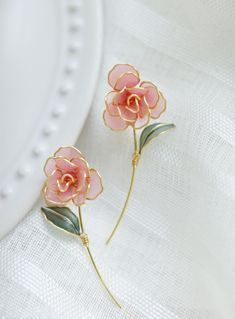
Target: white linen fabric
173 256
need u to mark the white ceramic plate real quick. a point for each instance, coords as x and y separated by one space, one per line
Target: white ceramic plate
49 57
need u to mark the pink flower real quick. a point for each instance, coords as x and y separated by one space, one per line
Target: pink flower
131 102
70 178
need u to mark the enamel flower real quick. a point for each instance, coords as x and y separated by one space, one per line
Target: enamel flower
133 103
69 179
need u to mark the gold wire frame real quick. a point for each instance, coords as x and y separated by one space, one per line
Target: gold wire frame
136 155
142 85
83 236
89 170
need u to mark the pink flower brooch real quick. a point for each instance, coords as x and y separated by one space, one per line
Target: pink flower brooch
133 103
69 179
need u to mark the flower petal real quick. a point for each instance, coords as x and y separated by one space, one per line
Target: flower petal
143 109
50 166
128 80
80 198
137 90
152 94
65 165
96 186
114 122
159 108
142 121
68 195
123 75
113 110
120 97
109 101
52 180
51 198
68 152
126 114
82 172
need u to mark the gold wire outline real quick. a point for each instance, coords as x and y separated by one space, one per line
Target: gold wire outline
137 99
123 118
65 231
78 191
106 103
152 140
165 106
94 264
158 92
137 72
74 195
67 184
62 147
101 182
123 129
86 175
55 158
143 125
122 76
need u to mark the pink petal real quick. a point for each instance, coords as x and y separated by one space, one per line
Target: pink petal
49 166
126 114
52 181
67 196
82 172
114 122
144 109
159 108
81 163
126 80
111 108
120 98
138 91
123 75
65 165
51 198
80 198
142 122
81 180
68 152
152 94
96 186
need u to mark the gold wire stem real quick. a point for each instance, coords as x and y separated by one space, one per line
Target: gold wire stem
135 159
135 140
85 242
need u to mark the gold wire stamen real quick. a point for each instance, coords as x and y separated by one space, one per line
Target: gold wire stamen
136 98
67 184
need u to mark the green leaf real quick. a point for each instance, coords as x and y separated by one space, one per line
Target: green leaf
63 218
151 132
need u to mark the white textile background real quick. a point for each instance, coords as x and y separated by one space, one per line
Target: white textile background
173 256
